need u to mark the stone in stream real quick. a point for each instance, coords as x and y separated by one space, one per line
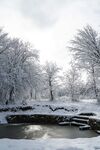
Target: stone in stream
88 114
74 123
86 127
98 131
94 123
64 123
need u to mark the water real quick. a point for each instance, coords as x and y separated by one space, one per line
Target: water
43 131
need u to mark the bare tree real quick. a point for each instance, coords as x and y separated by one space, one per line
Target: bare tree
72 80
86 45
4 41
51 75
86 49
17 63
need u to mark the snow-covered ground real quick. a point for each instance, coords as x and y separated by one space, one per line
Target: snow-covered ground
43 108
54 144
51 144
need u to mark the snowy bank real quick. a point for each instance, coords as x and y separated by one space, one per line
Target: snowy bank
51 144
52 108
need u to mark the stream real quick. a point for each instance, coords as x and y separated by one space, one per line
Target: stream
22 131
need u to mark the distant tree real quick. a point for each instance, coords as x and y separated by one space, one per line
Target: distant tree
35 80
86 49
51 78
72 81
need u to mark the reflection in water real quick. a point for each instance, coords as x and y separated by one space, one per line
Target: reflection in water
46 136
43 131
33 131
31 128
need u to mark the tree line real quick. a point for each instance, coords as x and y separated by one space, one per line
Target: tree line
22 76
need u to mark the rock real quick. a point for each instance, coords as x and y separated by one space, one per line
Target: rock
86 127
36 119
98 131
94 123
88 114
64 123
77 123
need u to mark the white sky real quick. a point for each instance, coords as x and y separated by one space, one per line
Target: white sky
49 24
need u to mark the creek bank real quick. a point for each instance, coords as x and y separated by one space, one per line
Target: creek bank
38 119
85 120
26 108
62 120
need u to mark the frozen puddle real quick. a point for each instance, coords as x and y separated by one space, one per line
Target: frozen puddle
43 132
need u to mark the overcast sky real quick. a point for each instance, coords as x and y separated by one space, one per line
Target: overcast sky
49 24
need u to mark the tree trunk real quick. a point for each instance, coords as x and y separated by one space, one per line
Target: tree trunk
11 94
72 93
31 94
51 95
94 83
35 94
51 91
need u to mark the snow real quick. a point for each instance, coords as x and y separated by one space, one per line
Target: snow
47 143
70 108
51 144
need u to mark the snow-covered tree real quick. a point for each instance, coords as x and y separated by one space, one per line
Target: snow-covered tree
72 82
22 59
51 78
86 45
86 49
4 41
34 79
18 60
